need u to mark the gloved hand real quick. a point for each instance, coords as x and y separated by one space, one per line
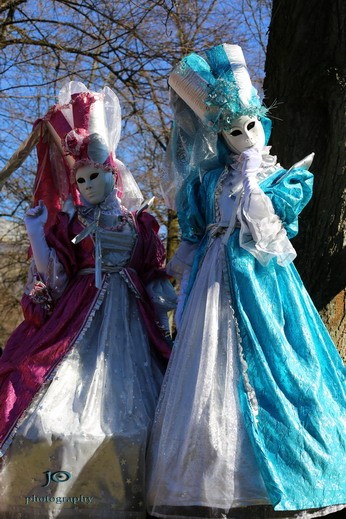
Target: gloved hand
251 160
34 220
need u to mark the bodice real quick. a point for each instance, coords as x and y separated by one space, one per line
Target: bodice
112 229
117 245
227 193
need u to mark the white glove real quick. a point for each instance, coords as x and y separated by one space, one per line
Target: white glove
34 220
251 160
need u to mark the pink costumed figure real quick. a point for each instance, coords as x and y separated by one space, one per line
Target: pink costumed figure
80 377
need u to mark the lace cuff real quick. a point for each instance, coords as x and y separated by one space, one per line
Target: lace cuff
261 230
46 291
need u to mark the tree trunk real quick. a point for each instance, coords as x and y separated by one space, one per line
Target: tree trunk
305 70
172 233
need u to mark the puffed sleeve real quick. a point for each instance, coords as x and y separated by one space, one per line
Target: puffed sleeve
289 192
268 214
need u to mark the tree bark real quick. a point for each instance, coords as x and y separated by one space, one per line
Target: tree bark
305 70
172 233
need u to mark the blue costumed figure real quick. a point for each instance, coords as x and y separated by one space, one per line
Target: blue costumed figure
251 422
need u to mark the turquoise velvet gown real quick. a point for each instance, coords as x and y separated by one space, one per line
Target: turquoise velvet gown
287 378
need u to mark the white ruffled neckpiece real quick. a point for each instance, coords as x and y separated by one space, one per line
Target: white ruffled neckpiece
269 164
261 230
111 205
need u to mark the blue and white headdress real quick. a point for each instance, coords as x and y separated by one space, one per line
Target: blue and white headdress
218 87
207 93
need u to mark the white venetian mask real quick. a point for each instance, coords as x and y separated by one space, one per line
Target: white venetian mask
94 184
245 133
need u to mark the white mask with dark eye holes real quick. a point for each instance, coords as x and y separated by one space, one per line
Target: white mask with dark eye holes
245 133
94 184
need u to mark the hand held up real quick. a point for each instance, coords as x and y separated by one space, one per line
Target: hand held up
34 220
251 160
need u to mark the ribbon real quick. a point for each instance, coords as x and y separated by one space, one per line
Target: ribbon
93 228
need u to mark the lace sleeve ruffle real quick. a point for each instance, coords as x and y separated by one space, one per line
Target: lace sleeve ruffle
261 230
289 192
268 214
40 295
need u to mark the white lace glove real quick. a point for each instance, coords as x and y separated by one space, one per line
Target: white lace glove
34 220
251 160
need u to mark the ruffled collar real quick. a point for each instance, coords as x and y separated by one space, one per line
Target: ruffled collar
267 160
110 206
268 166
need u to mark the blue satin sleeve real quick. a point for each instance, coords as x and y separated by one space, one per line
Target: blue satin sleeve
289 192
190 209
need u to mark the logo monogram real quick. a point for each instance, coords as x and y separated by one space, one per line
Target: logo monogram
58 477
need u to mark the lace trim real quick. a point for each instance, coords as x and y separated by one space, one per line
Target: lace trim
126 276
49 378
237 190
111 205
251 394
217 193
